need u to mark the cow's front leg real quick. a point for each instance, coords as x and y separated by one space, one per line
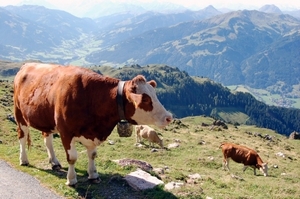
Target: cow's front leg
254 170
71 158
48 140
92 171
245 167
226 164
138 139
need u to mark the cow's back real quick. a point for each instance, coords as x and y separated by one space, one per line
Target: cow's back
41 92
239 154
146 131
32 91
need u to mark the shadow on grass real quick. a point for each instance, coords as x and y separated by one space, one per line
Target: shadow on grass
112 186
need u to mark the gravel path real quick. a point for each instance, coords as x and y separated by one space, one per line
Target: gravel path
15 184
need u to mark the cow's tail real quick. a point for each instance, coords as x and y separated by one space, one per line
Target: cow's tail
28 140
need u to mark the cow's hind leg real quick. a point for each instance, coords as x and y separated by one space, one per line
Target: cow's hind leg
137 134
23 135
92 171
48 140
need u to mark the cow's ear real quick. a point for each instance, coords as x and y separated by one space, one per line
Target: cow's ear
152 83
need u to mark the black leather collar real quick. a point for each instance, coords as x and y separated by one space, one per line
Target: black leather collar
120 100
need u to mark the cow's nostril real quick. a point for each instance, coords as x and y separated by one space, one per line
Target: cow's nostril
169 119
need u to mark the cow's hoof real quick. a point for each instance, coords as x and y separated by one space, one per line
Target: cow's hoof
71 183
95 181
24 164
56 167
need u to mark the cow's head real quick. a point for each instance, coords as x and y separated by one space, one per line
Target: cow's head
143 106
264 169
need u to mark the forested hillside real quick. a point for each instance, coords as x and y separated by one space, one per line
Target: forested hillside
186 95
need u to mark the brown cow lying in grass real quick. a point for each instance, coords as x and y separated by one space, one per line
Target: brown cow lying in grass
244 155
146 132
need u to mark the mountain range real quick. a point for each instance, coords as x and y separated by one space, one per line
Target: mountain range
257 48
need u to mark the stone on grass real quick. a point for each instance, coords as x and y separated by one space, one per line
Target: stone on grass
173 145
140 164
173 185
141 180
159 171
195 176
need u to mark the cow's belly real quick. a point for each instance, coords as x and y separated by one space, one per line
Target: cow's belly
39 118
237 159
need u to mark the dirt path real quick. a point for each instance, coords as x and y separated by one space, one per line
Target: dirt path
15 184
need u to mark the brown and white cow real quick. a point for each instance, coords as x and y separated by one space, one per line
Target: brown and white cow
244 155
80 105
146 132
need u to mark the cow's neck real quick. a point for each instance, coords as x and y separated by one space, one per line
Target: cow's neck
259 162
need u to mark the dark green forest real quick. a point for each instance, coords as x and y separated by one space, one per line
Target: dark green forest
185 96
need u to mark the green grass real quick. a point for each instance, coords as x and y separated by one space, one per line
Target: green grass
231 115
198 153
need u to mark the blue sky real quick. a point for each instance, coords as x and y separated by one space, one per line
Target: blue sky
282 4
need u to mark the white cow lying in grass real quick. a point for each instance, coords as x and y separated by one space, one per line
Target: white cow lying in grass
146 132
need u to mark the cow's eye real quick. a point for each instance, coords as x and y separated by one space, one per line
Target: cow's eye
146 99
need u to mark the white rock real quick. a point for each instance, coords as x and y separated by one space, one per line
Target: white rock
173 145
210 158
195 176
280 154
141 180
139 145
159 171
173 185
111 142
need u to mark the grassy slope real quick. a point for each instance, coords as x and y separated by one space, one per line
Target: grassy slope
198 153
231 114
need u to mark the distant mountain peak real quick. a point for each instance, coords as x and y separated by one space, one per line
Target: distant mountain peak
270 8
210 10
210 7
38 2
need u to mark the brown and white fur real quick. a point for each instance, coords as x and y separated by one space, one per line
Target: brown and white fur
81 106
146 132
244 155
